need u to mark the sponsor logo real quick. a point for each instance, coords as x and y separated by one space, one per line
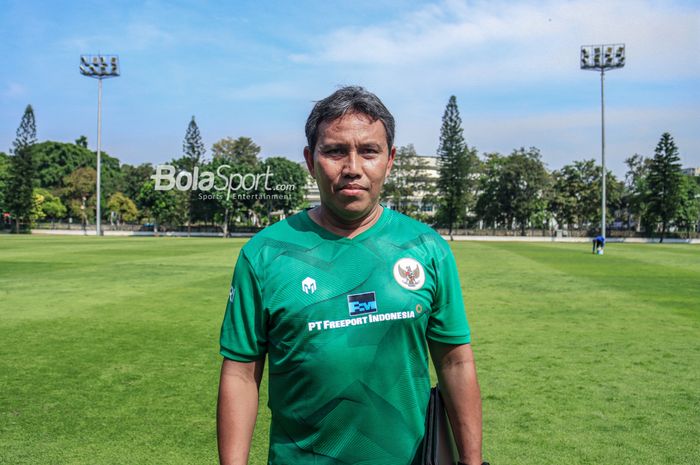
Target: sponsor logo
360 304
409 274
308 285
231 294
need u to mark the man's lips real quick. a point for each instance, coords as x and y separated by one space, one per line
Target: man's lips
352 189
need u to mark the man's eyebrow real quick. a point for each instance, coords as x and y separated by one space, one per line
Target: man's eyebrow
371 145
332 145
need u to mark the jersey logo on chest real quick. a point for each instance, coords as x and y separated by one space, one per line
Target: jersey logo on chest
308 285
409 273
361 304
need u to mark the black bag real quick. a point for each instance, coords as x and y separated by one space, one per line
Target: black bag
439 446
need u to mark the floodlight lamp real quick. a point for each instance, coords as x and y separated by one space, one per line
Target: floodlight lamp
84 60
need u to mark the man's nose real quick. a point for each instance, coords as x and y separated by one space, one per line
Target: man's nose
351 167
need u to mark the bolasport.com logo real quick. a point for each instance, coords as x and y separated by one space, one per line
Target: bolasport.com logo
221 184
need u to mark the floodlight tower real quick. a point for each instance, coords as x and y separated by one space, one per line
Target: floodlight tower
602 57
99 67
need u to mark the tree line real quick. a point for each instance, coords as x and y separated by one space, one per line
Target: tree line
55 181
516 192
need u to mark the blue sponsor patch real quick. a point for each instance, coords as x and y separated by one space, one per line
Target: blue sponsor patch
360 304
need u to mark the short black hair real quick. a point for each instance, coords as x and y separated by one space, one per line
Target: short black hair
348 99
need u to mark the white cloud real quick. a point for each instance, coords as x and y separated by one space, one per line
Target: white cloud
509 41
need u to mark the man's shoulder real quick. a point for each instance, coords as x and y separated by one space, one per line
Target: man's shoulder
405 221
291 233
410 232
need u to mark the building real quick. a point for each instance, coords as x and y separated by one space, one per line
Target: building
427 176
691 171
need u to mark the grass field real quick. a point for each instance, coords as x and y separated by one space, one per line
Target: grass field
109 350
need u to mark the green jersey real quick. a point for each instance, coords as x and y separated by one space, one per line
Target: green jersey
344 323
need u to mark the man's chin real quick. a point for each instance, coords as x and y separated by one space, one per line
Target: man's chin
354 209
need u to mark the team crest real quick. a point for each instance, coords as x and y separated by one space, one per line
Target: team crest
409 274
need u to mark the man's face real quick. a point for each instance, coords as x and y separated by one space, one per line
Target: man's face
350 162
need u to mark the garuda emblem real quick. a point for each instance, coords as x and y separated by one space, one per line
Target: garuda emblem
409 274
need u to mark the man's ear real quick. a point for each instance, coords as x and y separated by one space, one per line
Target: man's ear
392 155
309 157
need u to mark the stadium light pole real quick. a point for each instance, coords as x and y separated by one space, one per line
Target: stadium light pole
99 67
602 58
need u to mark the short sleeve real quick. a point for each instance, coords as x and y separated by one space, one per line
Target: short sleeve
244 329
448 319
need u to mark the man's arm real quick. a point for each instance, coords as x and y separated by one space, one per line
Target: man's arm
460 390
237 409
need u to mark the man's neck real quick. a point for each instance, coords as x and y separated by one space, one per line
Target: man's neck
325 218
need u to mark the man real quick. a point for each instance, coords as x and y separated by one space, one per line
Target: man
598 244
345 300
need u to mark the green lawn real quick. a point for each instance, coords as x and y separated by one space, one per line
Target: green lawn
109 350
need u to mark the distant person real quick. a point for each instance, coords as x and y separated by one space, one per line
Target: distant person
598 245
347 301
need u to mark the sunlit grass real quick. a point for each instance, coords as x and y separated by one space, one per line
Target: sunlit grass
109 350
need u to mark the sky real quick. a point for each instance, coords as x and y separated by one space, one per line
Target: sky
255 69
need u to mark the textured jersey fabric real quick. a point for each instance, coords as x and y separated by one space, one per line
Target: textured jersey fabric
344 323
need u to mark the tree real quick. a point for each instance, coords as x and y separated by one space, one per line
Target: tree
4 174
636 189
664 183
18 190
239 151
241 156
122 207
79 191
456 162
524 181
290 178
564 202
689 210
47 205
489 204
55 161
81 142
134 177
577 197
408 182
193 156
165 207
514 189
